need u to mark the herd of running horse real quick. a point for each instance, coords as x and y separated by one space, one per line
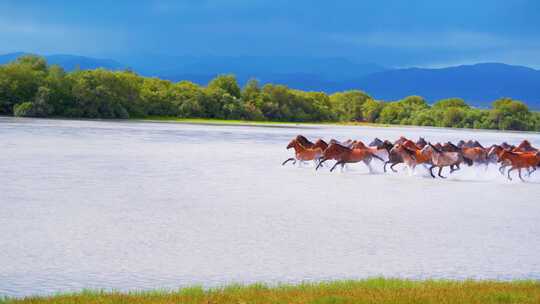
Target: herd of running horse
405 151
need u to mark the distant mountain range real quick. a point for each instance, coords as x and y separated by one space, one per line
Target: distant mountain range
478 84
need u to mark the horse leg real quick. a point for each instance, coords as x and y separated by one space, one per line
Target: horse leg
368 164
384 167
519 174
288 160
431 171
320 163
509 173
501 168
392 167
337 163
440 170
533 169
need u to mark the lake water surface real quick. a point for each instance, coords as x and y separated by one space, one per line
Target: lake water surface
126 205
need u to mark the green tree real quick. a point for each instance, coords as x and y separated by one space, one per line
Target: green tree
371 110
450 103
349 105
227 83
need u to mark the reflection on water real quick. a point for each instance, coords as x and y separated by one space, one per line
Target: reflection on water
119 205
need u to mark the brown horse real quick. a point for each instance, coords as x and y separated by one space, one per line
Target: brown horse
394 157
441 159
382 152
509 158
450 147
476 154
411 154
302 153
345 155
348 144
407 156
525 160
525 146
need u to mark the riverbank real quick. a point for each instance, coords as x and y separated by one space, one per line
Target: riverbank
377 290
281 124
228 122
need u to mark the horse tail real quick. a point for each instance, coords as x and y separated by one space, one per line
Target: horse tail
467 160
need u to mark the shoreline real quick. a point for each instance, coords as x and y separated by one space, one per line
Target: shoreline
371 290
267 124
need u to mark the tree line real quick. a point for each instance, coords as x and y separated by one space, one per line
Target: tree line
30 87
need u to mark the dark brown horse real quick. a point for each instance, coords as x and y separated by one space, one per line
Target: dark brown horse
345 155
441 159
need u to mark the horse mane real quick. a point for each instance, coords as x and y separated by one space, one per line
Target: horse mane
421 140
435 148
321 141
479 145
453 146
303 140
341 146
298 142
358 143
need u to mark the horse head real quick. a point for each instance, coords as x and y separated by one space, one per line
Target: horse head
400 140
376 142
292 143
421 142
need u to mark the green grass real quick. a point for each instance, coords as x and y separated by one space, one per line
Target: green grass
377 290
213 121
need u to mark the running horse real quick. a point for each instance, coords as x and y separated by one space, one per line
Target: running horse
345 155
348 143
520 161
515 160
441 159
380 152
302 153
394 157
407 152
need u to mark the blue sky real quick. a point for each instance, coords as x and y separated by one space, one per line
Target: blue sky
390 33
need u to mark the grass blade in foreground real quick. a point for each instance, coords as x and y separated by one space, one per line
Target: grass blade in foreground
363 291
